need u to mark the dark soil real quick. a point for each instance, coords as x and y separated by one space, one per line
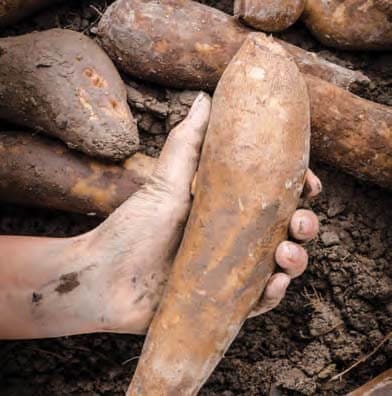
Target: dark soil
338 312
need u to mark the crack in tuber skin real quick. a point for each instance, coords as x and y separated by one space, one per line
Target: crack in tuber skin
39 171
12 11
69 88
156 42
268 15
350 24
240 213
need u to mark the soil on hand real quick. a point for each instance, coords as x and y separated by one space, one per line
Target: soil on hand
337 313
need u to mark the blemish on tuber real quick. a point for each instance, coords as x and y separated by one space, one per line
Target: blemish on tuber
240 213
67 87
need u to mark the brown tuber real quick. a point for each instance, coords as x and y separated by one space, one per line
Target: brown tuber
352 133
40 171
268 15
183 44
249 180
12 11
351 24
62 83
379 386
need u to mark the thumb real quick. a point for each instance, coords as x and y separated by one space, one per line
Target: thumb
179 158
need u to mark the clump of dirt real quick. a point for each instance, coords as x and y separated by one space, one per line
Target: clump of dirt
337 313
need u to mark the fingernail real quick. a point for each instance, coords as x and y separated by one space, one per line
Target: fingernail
199 98
196 103
319 186
291 251
304 225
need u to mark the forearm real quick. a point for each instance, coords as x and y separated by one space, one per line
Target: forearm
27 265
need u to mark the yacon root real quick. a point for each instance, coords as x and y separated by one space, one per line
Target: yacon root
348 132
62 83
240 213
39 171
351 24
184 44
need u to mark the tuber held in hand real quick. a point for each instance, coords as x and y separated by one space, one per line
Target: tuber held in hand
39 171
268 15
250 177
62 83
187 44
12 11
351 24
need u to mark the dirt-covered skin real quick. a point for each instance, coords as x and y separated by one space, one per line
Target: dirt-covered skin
12 11
355 134
159 45
38 171
236 222
294 348
66 87
268 15
176 55
351 24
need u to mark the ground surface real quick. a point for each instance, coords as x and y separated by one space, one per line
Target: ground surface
338 312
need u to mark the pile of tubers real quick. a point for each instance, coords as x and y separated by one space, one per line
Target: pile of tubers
72 142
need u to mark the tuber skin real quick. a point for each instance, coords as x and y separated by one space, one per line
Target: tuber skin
12 11
351 24
240 213
169 56
39 171
187 45
69 88
350 132
268 15
379 386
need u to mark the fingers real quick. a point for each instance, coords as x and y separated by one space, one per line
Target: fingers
291 258
273 294
313 186
304 225
180 155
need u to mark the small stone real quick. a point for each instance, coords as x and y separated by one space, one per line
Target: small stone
327 372
330 238
336 206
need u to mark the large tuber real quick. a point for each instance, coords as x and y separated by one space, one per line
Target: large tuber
351 24
39 171
350 132
62 83
249 181
184 44
181 43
